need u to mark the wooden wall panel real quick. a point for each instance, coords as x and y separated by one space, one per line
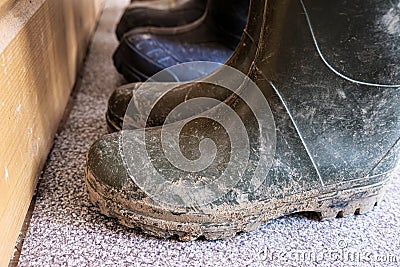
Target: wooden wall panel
42 45
6 5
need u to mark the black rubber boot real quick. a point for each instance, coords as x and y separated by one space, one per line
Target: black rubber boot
333 94
144 52
160 14
241 60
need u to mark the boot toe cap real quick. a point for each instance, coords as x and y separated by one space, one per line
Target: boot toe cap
118 104
104 163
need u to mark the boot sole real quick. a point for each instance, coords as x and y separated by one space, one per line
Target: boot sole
333 204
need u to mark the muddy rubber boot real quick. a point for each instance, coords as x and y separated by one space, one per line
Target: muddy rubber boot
144 52
160 14
323 136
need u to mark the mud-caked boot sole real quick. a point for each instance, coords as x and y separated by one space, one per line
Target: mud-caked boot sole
116 195
187 227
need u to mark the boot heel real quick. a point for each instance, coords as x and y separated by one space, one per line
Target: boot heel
354 201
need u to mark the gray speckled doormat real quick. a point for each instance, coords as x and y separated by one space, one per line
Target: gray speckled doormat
67 230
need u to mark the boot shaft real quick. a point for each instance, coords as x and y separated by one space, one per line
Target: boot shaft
335 68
